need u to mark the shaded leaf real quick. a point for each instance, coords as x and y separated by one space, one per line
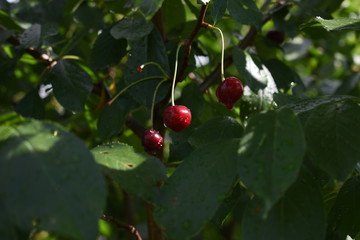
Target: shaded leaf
282 74
107 51
215 129
31 105
150 48
131 29
245 12
298 215
218 9
270 154
71 85
241 62
8 22
332 136
137 173
196 189
345 215
112 118
31 36
43 179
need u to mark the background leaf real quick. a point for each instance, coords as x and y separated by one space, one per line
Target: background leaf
137 173
107 51
339 24
270 154
35 157
345 215
245 12
131 29
218 9
71 85
299 215
196 189
333 139
226 127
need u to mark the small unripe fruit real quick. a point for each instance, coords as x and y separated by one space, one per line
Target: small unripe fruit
229 91
153 142
177 117
276 36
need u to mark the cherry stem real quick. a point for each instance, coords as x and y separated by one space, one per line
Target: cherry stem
222 49
175 72
153 102
130 85
157 65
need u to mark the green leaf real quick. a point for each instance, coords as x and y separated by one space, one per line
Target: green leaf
298 215
237 196
240 62
48 175
8 22
282 74
196 189
270 154
149 7
137 173
226 127
7 229
340 24
218 9
31 105
150 48
71 85
107 51
31 36
332 134
245 12
112 118
304 107
345 215
173 19
131 29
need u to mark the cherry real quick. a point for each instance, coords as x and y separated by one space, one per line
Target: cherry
275 36
177 117
152 141
229 91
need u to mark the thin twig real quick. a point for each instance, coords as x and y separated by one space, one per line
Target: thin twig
119 224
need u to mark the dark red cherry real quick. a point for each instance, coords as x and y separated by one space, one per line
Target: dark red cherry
229 91
276 36
152 141
177 117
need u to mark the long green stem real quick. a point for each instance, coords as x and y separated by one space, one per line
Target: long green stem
157 65
130 85
153 102
222 50
175 73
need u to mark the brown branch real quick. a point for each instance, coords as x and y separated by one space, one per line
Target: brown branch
246 42
119 224
187 44
155 232
41 57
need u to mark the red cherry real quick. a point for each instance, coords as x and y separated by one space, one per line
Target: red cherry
229 91
152 141
177 117
275 36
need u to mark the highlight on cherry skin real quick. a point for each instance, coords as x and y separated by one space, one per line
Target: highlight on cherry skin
152 142
229 91
177 117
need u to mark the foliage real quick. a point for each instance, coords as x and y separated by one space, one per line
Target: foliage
284 163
